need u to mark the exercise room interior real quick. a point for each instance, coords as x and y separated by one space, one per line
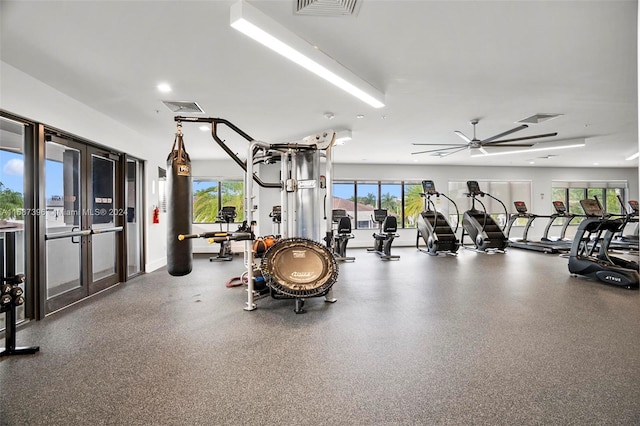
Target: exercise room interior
345 212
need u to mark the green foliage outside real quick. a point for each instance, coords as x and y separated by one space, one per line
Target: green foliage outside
11 203
206 203
413 204
369 200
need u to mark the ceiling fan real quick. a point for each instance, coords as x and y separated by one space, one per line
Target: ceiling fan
475 143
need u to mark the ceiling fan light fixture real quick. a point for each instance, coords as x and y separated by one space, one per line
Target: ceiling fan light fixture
545 148
633 157
268 32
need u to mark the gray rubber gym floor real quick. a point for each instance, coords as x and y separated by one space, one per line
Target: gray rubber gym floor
476 339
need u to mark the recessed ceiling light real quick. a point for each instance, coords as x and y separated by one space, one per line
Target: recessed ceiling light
532 162
205 128
595 164
164 87
360 116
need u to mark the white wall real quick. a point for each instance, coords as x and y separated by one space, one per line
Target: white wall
25 96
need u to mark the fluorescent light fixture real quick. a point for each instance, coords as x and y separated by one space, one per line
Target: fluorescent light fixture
633 157
343 136
547 148
255 24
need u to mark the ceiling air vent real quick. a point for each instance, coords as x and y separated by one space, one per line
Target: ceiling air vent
184 107
328 7
538 118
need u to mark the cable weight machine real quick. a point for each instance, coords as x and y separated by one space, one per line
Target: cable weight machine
296 266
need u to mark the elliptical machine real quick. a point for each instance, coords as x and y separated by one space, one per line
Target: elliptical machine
486 234
433 227
589 254
226 215
342 236
383 239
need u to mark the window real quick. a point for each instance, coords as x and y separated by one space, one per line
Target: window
506 191
366 201
610 195
209 196
360 199
413 204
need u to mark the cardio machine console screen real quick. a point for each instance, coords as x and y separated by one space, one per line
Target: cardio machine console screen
559 206
428 187
591 207
634 205
473 187
521 207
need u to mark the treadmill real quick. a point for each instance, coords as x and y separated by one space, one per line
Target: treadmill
526 244
561 241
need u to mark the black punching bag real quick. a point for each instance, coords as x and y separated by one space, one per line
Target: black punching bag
179 208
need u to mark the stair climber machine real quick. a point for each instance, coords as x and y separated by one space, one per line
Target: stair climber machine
486 234
342 236
589 254
524 242
433 226
383 239
226 215
297 266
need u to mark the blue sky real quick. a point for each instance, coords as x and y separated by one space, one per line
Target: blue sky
12 173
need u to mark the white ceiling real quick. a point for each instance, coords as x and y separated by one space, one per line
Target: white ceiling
439 63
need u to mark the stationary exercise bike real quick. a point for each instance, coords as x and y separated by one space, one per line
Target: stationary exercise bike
383 239
226 215
433 227
343 234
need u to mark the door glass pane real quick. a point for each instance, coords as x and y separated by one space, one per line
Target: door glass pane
134 221
12 199
103 217
63 214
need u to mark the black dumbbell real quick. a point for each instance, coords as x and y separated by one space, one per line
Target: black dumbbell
6 288
15 279
17 301
17 291
5 300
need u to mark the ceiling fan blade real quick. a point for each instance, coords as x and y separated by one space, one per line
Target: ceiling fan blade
462 135
440 149
508 132
453 152
524 138
436 144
